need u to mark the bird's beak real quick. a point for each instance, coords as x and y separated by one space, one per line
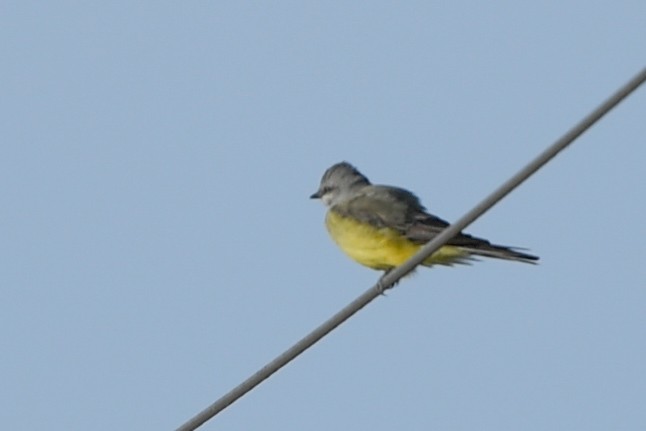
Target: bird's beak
316 195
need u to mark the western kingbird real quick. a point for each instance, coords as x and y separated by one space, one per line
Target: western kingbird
383 226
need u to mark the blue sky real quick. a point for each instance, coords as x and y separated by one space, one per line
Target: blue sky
158 244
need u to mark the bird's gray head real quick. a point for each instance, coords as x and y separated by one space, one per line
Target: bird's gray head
340 182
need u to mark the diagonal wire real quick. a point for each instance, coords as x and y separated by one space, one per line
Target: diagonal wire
395 275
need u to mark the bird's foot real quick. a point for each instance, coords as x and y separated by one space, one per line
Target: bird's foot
382 287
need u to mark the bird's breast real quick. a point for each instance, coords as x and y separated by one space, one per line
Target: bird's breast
376 247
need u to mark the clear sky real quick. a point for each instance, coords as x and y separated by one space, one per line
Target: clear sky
158 245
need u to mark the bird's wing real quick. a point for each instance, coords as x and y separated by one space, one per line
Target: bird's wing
399 209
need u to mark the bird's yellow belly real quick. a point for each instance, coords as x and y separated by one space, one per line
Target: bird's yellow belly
380 248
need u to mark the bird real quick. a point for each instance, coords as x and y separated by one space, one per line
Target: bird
381 226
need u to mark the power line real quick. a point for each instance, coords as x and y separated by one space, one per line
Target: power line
395 275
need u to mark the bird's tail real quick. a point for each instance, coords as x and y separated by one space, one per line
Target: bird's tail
502 252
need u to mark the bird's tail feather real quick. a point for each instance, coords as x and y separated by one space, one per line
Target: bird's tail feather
502 252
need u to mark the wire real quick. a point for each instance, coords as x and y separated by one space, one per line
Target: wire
391 278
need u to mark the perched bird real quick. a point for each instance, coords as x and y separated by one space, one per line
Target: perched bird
383 226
